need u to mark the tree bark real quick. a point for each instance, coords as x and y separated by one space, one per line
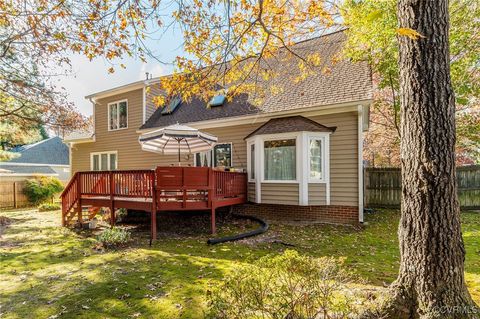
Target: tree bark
431 280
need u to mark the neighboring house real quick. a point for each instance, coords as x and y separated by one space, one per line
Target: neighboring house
302 148
49 157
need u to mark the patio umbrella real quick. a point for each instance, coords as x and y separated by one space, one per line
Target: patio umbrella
175 139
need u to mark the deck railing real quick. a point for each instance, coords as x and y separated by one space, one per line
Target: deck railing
229 184
172 187
138 183
133 183
95 183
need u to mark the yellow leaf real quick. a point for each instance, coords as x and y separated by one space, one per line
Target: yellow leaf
407 32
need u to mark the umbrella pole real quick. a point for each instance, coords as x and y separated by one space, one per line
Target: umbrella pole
178 152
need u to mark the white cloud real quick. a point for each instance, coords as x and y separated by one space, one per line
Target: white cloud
92 76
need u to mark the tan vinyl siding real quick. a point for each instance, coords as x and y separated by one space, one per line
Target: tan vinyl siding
281 193
343 157
317 194
251 192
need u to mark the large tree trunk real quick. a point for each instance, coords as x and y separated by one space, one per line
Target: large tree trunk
431 280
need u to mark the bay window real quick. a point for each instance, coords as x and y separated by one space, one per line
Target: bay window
295 157
292 152
117 115
280 160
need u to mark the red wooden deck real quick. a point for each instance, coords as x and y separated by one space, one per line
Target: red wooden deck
162 189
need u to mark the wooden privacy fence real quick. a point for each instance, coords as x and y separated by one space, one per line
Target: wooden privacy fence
383 187
11 194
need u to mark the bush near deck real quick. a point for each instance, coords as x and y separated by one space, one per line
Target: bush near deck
42 189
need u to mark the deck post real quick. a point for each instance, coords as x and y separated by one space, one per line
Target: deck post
112 206
153 216
211 199
214 228
154 225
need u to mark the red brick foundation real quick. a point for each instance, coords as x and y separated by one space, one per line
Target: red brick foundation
324 214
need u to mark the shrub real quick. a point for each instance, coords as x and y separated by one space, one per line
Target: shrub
285 286
114 237
41 189
46 207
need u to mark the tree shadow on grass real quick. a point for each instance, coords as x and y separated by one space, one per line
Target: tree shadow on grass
148 283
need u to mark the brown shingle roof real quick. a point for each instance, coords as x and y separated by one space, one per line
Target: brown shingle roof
290 124
343 82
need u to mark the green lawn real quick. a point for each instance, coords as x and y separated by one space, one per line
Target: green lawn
48 271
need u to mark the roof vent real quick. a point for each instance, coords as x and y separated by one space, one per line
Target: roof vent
217 100
172 106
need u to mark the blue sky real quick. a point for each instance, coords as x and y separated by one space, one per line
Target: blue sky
92 76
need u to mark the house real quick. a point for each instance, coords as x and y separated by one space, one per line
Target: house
301 148
49 157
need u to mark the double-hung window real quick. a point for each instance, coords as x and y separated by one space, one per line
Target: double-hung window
280 160
117 115
103 161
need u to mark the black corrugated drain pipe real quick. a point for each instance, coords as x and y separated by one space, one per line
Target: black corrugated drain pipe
258 231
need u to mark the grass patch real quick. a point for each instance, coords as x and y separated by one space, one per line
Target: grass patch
50 271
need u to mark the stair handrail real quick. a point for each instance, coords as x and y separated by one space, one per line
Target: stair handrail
66 191
73 179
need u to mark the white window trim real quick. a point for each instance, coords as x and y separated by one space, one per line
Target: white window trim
213 155
324 153
118 114
249 161
302 162
108 158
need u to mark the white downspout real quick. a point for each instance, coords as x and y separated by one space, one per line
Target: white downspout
360 163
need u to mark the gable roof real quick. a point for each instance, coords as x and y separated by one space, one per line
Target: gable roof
49 151
290 124
343 82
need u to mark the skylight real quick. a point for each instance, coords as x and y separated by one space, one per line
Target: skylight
217 100
172 106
